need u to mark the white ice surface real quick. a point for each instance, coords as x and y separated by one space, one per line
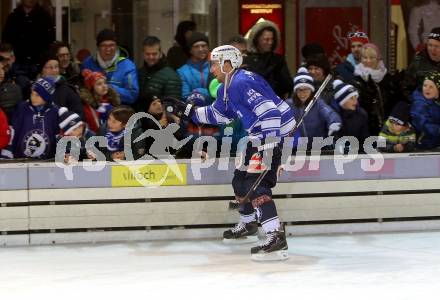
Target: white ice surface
364 266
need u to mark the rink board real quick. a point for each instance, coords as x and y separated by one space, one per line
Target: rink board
39 204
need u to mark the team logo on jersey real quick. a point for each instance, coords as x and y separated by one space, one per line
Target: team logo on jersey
35 143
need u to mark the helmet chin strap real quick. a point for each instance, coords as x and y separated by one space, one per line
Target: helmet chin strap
227 81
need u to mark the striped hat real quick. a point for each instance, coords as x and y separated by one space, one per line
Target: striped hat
343 92
303 80
69 121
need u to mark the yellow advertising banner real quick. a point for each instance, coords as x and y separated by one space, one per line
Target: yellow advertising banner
148 175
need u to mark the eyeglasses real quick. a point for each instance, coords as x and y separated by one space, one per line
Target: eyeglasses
357 34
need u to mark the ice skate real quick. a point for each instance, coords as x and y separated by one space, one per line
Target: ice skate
242 233
273 248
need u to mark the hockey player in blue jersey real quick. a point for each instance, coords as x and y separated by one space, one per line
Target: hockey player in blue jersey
247 96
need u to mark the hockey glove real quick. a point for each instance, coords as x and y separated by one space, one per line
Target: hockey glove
183 110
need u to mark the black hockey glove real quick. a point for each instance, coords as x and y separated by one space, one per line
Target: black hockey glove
183 110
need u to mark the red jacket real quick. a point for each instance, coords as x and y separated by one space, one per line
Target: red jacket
5 133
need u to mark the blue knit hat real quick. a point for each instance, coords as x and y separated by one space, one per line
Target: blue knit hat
303 80
343 92
69 120
45 87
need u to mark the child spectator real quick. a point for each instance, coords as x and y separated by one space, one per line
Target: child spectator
425 112
98 99
354 118
155 109
35 123
72 125
115 133
400 136
322 120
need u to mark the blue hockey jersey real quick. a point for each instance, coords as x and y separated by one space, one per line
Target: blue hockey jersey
249 98
34 131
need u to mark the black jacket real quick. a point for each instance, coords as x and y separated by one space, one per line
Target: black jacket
30 34
377 99
66 95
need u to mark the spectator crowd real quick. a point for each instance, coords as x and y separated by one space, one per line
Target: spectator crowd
46 94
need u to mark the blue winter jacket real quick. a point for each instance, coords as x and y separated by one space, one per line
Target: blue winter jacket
195 78
252 100
317 121
122 76
34 131
425 117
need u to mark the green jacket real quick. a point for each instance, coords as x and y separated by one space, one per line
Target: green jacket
159 80
421 66
406 138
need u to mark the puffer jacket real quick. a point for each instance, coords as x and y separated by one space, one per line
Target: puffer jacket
122 76
425 117
195 78
416 73
317 121
159 80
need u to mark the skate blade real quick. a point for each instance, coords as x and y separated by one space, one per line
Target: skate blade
244 240
272 256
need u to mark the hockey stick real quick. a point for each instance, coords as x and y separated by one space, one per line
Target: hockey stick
245 199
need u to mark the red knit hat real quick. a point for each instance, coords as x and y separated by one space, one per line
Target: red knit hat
90 78
358 36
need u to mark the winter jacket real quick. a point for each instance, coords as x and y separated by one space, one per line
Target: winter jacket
270 65
122 76
138 149
195 78
73 76
5 133
252 100
354 123
34 131
159 80
425 117
29 33
317 121
377 99
66 96
407 138
416 73
96 110
10 97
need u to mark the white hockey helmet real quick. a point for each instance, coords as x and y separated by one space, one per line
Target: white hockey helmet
227 52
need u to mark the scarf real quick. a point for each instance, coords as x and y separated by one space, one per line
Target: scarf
115 141
376 74
107 64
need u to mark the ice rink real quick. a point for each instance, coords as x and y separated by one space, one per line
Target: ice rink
358 266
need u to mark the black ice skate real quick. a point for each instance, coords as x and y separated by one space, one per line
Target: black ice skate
242 233
273 248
